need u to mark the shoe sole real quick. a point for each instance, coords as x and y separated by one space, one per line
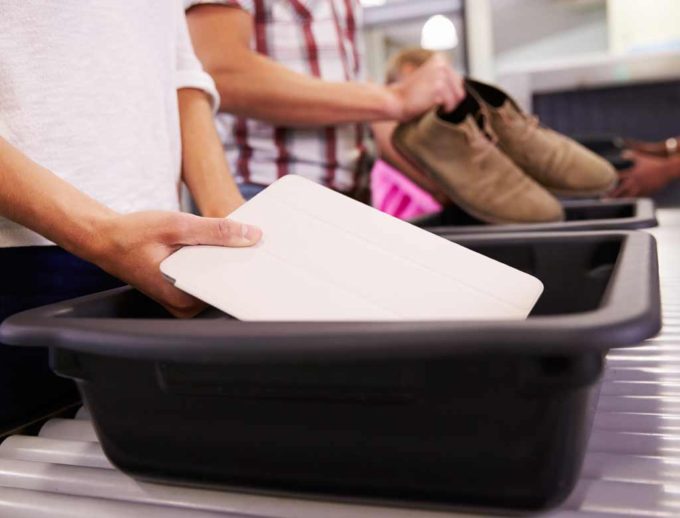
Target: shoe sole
584 194
418 164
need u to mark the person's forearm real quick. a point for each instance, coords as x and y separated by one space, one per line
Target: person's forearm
204 166
674 164
246 88
36 198
254 86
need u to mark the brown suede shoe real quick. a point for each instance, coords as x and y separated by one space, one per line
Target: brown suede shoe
562 165
473 171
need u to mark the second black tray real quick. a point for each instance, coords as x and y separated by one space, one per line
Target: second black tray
624 214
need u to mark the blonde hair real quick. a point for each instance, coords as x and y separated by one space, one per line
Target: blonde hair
414 56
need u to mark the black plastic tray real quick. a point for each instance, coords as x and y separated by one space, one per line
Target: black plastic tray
482 414
625 214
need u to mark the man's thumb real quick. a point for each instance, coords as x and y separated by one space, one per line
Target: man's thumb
221 232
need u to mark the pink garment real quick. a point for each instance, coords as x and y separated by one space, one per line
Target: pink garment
398 196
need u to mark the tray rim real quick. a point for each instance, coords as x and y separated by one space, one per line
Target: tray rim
644 217
613 325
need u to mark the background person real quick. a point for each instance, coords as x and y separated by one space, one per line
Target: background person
656 165
290 78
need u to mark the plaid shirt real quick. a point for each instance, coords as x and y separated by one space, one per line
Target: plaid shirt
314 37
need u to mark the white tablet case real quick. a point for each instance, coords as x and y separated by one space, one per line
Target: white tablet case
326 257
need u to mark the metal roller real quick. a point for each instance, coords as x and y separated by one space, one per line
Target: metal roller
640 404
640 388
111 484
632 443
582 514
642 359
631 468
637 373
55 451
83 413
632 422
624 498
69 429
18 503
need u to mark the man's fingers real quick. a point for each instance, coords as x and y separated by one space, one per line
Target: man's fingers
446 88
233 233
625 189
457 85
180 304
617 193
436 60
449 98
218 232
451 88
618 190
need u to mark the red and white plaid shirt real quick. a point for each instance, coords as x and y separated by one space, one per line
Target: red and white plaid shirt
314 37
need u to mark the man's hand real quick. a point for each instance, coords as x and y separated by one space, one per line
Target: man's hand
435 83
648 176
130 247
135 244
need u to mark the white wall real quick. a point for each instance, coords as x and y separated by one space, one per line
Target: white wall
638 25
527 31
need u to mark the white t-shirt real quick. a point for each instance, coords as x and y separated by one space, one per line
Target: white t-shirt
88 89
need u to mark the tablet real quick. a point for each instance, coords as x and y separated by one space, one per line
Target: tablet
326 257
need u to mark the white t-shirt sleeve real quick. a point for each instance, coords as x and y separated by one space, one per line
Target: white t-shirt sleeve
246 5
189 72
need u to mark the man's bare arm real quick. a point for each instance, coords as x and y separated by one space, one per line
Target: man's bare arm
36 198
129 247
204 166
254 86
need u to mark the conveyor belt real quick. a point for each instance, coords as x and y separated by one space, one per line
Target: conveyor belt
632 466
